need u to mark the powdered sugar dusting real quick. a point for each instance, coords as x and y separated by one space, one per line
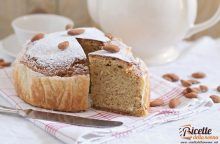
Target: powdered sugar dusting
44 54
93 34
47 53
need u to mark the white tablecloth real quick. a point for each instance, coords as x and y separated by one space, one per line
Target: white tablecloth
203 55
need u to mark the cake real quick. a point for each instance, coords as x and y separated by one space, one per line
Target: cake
53 72
119 82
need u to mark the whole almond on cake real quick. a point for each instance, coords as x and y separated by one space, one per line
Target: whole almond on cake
76 31
63 45
111 48
37 37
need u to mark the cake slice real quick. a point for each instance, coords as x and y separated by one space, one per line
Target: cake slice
119 82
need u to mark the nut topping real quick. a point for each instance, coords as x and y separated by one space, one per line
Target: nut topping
37 37
111 48
76 31
63 45
109 35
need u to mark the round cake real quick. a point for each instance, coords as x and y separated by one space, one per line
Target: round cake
53 72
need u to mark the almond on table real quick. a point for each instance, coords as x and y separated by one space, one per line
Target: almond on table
215 98
198 75
193 81
203 88
171 77
218 88
189 90
173 103
191 95
157 102
4 64
185 83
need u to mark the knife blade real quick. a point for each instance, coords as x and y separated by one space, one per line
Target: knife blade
62 118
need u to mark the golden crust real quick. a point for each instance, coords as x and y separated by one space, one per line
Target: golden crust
69 94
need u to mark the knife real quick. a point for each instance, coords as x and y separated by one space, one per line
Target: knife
62 118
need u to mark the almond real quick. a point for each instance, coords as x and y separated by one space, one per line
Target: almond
203 88
191 95
63 45
189 90
6 64
218 89
192 81
167 77
198 75
157 102
37 37
196 90
171 77
173 103
69 26
215 98
111 48
76 31
109 35
185 83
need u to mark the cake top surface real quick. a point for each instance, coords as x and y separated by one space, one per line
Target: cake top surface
46 57
47 53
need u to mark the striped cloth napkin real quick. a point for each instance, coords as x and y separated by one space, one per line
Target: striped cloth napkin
131 125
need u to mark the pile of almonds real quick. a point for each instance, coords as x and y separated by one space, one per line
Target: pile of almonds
188 92
4 64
